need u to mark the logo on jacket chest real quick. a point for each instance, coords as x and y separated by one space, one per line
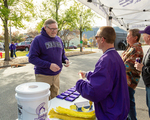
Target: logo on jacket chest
53 44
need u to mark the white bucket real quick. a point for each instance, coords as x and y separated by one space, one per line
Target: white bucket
32 99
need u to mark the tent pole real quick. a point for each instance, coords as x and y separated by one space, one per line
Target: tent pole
109 17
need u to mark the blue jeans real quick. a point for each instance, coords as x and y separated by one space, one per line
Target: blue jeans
132 112
148 98
14 53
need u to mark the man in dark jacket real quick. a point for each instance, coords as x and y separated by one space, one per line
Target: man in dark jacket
11 47
47 54
145 66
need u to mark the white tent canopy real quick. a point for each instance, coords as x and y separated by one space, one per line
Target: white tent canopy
126 14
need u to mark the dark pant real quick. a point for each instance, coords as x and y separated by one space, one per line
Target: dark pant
11 53
132 112
148 98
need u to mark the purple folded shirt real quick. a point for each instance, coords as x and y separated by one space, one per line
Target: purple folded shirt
65 94
72 90
70 99
76 93
61 96
69 92
74 96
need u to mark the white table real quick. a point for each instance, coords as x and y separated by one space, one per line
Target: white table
55 102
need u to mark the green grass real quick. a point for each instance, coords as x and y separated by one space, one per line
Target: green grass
18 53
23 53
68 50
91 48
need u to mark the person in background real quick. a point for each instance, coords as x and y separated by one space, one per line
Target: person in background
4 46
133 51
106 86
47 54
14 50
28 52
145 66
11 47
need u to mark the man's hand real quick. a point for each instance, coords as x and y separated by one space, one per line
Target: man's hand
67 63
138 66
82 74
54 67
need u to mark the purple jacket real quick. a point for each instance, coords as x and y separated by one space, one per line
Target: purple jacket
12 47
107 87
45 50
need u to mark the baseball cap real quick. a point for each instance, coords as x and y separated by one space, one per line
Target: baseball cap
146 30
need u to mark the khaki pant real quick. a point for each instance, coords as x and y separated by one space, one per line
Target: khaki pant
53 81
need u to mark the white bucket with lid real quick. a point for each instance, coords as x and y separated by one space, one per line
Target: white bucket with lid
32 99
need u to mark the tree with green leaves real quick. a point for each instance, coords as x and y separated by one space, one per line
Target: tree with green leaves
17 37
67 36
12 13
1 37
75 17
32 33
82 18
52 9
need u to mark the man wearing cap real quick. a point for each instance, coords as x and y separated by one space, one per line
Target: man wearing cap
145 66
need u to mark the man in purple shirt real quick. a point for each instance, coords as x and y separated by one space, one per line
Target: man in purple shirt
107 84
47 54
12 47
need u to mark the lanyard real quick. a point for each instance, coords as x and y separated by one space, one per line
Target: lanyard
108 50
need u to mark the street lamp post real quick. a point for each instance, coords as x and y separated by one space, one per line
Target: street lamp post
81 33
10 33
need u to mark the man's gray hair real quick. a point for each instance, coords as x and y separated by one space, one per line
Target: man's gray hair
49 21
135 32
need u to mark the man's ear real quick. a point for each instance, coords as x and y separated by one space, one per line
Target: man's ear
148 37
136 38
102 40
45 27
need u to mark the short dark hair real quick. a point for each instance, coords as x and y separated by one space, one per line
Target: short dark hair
135 32
108 33
49 21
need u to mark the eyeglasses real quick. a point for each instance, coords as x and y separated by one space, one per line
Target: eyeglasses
52 29
99 37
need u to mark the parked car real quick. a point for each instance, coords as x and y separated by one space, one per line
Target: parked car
1 46
72 47
122 45
23 46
